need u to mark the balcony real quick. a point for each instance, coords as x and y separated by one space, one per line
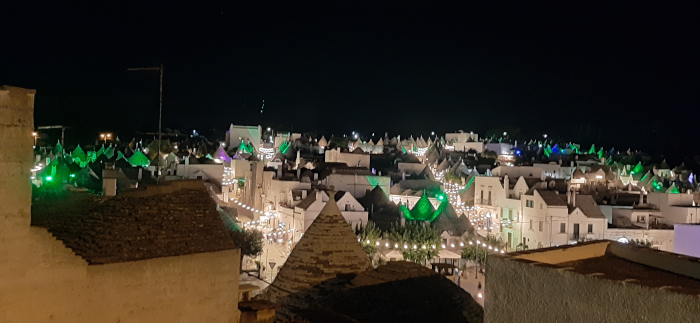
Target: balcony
485 202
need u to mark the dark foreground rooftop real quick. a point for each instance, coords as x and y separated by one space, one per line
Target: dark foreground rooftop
175 219
615 268
396 292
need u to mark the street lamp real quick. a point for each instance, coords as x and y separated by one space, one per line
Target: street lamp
106 136
35 135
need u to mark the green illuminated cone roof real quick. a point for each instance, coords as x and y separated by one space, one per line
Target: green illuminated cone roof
79 155
58 149
139 159
328 248
109 152
637 169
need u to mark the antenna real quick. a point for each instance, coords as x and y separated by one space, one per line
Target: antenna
160 111
263 107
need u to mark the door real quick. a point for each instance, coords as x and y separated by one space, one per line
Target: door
510 239
575 231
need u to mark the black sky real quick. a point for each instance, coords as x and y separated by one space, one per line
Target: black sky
629 70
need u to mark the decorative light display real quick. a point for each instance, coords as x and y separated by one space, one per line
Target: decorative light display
420 152
267 153
228 176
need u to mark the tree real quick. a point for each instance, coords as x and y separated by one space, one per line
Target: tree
474 254
637 242
369 236
452 177
165 148
417 242
488 154
478 253
250 242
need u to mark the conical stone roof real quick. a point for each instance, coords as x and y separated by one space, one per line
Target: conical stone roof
328 248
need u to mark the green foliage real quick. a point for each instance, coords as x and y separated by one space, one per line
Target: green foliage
637 242
477 254
474 254
165 148
451 177
369 234
488 154
495 241
341 142
250 242
421 242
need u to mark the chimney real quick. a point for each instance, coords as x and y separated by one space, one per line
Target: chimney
403 175
573 198
568 196
315 176
298 173
109 180
641 197
279 171
506 185
303 194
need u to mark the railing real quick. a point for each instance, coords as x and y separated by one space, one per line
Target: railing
484 201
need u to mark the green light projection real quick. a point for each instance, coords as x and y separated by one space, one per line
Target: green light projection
139 159
637 169
423 210
284 147
79 156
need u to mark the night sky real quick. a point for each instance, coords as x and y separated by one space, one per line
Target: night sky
617 73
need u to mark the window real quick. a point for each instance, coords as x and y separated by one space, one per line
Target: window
510 214
640 218
530 224
541 225
562 228
590 228
540 206
529 203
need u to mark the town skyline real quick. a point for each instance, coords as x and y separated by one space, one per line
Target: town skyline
565 70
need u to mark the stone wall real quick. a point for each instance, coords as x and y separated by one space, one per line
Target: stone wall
521 291
43 281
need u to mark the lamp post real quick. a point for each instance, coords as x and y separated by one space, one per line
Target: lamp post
106 136
160 111
35 135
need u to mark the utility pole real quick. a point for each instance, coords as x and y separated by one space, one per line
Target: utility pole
160 111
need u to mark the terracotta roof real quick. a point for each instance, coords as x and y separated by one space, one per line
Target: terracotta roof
308 200
552 198
396 292
328 247
588 206
129 228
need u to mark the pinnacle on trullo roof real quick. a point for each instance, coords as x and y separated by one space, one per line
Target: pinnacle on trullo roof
328 248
